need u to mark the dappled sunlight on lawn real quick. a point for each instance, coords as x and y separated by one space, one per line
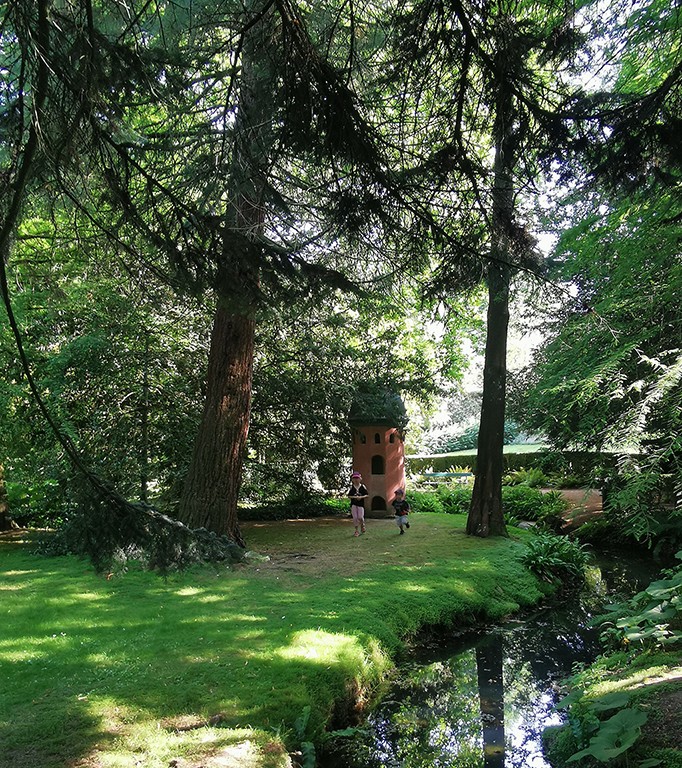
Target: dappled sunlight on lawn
320 647
133 657
12 574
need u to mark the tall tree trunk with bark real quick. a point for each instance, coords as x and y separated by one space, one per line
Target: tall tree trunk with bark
211 490
212 487
486 517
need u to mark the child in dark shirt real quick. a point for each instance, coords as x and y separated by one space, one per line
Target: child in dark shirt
402 510
358 493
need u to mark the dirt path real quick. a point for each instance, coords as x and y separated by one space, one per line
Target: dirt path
583 504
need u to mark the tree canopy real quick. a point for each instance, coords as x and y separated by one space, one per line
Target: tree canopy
214 212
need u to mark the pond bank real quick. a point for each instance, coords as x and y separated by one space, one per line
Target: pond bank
491 691
249 663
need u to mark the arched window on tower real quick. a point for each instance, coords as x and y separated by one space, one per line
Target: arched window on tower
362 438
378 465
391 439
377 437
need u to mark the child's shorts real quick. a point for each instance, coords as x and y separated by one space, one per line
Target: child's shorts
401 519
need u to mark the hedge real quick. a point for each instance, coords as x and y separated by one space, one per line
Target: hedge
581 463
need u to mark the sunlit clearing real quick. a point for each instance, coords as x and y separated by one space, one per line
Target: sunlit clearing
188 592
657 675
317 645
18 573
211 599
19 655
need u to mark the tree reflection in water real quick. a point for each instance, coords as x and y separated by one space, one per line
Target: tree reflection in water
489 663
480 704
484 699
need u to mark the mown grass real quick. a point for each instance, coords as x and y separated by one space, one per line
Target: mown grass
216 665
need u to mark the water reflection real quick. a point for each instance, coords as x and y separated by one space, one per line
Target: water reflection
482 706
484 700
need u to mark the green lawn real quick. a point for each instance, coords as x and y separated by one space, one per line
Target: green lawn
520 448
212 665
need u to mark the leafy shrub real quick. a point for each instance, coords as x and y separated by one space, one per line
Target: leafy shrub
417 465
456 499
653 617
521 502
583 468
460 469
637 509
296 508
36 505
567 481
555 559
518 503
426 501
533 477
608 738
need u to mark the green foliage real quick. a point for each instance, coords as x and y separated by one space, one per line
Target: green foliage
307 506
113 532
300 436
651 618
614 736
418 465
608 738
639 673
518 503
639 502
638 508
581 468
116 361
610 376
307 750
448 442
555 559
375 404
521 502
455 498
424 501
38 503
533 478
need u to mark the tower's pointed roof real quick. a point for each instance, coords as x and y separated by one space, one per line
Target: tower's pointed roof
377 405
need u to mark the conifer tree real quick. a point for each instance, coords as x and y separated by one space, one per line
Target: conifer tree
485 103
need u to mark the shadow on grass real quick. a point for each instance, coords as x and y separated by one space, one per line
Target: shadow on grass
86 661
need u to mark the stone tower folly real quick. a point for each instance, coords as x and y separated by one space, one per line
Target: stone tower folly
378 424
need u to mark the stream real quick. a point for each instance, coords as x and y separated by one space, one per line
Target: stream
481 699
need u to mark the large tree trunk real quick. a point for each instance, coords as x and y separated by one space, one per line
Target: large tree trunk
486 517
485 514
211 490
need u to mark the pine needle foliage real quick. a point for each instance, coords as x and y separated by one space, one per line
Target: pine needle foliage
112 531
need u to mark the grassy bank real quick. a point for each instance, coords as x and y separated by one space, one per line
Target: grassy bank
637 700
213 665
